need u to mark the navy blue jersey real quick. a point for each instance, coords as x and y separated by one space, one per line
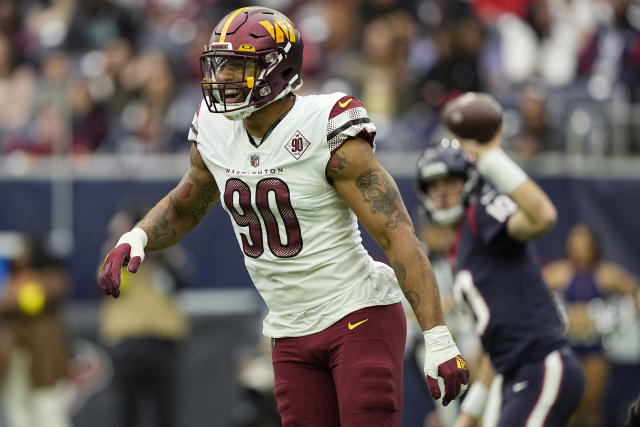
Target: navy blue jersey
499 280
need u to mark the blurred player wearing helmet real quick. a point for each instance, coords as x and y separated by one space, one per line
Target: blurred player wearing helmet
495 209
295 174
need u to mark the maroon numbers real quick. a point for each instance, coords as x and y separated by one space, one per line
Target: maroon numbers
247 217
297 145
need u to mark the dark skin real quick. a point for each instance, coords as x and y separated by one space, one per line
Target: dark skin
373 196
183 208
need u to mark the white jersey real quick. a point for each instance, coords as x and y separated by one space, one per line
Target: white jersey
301 242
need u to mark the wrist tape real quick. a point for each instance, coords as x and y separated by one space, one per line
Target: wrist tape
475 400
501 171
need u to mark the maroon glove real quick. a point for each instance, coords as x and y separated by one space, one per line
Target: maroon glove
455 375
443 361
128 251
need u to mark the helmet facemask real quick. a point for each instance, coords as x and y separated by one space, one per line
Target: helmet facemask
447 215
446 161
236 83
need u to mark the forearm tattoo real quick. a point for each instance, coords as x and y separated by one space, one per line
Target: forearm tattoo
162 232
401 273
377 190
185 206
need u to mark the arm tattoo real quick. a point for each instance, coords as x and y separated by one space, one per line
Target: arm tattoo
401 273
184 207
337 162
162 231
382 195
208 194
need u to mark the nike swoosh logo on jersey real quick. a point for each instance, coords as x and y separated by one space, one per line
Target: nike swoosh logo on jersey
345 103
520 386
355 325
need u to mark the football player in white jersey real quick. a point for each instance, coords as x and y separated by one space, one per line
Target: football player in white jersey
295 174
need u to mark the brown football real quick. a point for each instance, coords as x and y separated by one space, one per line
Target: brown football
473 115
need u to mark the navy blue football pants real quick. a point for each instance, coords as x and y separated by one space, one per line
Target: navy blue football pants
542 393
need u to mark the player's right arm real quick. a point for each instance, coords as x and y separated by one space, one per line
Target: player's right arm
536 214
165 224
183 208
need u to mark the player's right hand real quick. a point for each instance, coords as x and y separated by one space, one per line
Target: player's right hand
446 371
130 250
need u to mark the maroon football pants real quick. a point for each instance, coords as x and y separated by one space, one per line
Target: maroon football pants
348 375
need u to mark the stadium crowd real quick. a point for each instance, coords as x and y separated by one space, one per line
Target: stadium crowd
122 76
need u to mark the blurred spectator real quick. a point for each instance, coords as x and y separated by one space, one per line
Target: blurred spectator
403 58
144 330
89 119
459 44
97 22
33 343
583 279
48 131
610 65
17 89
530 128
546 43
148 122
380 74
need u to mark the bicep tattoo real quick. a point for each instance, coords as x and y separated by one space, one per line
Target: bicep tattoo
337 163
381 194
207 197
184 207
198 191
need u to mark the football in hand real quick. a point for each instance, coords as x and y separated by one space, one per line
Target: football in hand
473 115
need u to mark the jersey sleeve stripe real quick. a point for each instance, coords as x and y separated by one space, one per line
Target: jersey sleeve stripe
348 125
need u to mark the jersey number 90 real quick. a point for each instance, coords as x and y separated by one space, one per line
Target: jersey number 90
247 217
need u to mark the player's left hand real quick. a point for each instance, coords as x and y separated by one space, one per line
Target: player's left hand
446 371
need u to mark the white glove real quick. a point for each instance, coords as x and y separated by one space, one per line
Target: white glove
446 371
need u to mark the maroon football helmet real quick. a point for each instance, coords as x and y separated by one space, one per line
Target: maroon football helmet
254 57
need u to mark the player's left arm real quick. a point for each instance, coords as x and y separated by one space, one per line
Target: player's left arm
373 196
536 214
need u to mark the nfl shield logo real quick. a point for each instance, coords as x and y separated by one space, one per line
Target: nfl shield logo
255 160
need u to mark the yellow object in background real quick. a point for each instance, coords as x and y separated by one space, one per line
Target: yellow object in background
31 298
